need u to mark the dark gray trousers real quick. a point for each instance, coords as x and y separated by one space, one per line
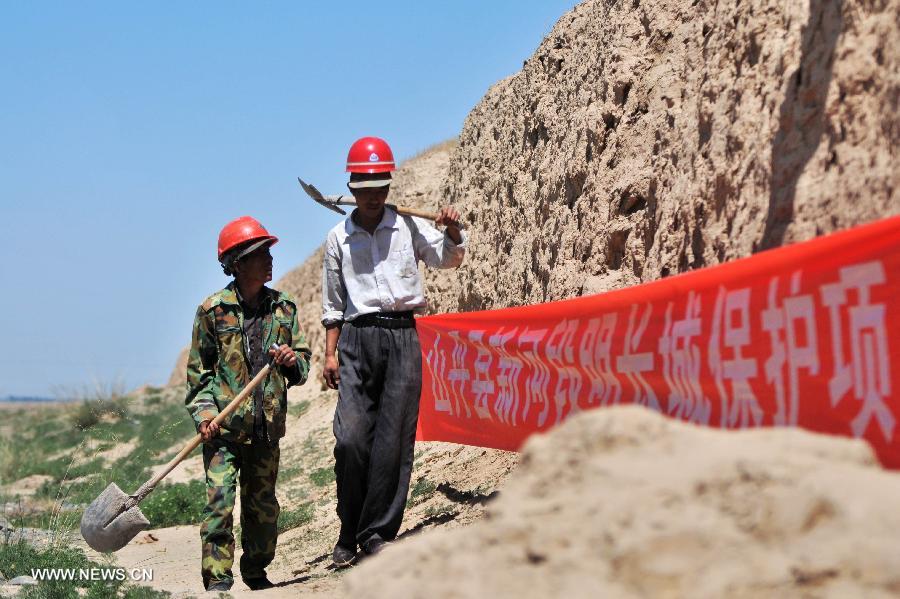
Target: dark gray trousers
375 429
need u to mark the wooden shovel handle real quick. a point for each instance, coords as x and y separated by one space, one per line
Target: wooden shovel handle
229 409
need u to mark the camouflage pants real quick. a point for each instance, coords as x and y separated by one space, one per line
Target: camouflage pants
256 465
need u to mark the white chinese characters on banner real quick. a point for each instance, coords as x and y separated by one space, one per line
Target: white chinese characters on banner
459 375
791 327
595 357
483 383
436 360
752 356
634 364
509 367
740 408
681 363
868 371
561 355
539 377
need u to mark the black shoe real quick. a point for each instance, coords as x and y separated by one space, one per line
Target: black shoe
221 586
374 545
343 556
258 584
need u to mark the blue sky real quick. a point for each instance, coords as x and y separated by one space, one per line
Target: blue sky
131 132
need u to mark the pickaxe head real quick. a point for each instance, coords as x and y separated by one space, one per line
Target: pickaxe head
316 195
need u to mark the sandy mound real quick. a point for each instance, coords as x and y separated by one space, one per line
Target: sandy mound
623 502
644 139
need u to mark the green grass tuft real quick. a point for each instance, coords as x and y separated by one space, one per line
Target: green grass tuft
322 476
173 505
435 511
18 558
90 412
298 409
422 490
299 516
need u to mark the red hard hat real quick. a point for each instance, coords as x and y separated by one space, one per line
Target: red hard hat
241 230
370 155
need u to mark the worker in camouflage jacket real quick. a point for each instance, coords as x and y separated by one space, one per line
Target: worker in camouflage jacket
236 332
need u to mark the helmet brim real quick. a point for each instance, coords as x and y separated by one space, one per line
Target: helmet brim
255 245
369 183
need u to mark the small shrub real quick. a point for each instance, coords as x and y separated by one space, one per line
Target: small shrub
422 490
97 400
85 416
117 407
322 476
436 511
90 413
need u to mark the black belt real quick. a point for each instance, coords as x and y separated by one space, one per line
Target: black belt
386 320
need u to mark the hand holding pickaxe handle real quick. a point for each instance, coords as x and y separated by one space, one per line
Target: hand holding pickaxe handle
334 202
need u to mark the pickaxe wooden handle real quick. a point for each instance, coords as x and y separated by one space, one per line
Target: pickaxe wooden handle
414 212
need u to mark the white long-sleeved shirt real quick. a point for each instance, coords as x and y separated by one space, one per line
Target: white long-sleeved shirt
364 273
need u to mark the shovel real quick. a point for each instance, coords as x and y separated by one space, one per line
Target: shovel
113 519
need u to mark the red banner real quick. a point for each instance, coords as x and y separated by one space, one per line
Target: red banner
797 336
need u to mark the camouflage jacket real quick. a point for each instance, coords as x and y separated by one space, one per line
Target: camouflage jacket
218 367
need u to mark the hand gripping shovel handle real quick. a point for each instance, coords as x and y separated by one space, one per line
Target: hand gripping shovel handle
148 486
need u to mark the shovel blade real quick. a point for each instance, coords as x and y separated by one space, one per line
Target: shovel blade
109 507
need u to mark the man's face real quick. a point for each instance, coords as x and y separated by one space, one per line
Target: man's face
256 266
370 200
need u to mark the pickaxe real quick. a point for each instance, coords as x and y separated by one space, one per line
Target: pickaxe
334 202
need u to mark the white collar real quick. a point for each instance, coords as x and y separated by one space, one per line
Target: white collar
388 221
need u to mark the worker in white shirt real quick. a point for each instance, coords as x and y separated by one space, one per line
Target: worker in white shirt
371 287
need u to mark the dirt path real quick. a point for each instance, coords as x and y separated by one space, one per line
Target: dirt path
175 560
